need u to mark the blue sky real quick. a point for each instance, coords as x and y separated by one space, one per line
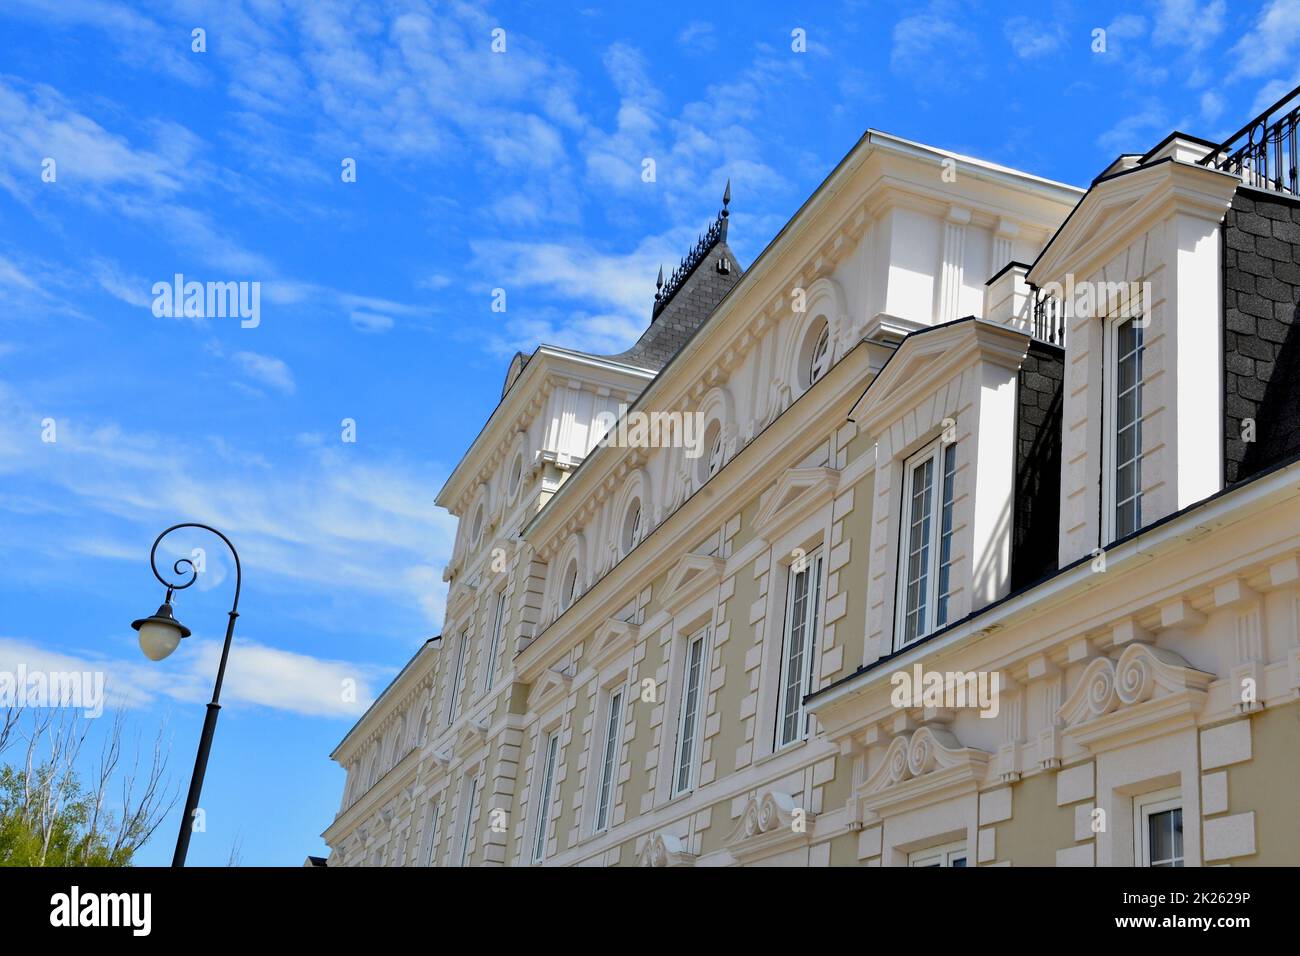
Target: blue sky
475 171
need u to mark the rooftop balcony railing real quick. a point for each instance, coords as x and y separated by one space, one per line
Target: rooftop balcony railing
1263 152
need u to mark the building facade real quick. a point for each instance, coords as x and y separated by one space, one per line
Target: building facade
961 528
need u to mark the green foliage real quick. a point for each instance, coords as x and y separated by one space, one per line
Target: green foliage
49 821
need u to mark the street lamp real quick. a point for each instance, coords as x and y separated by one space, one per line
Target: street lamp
160 633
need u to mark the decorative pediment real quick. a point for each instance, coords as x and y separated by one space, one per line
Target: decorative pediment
797 491
554 683
663 849
921 768
771 823
1143 692
612 639
691 578
927 361
1121 207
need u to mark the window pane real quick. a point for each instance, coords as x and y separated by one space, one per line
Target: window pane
945 534
544 798
1128 428
1165 836
609 762
690 714
918 559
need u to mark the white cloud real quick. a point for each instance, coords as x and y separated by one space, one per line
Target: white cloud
1137 132
932 49
698 36
256 674
1031 39
266 369
331 519
1270 45
1188 24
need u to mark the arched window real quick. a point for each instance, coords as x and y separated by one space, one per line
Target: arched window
516 472
712 462
569 584
819 361
477 528
632 526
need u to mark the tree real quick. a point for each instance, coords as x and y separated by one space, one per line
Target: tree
50 817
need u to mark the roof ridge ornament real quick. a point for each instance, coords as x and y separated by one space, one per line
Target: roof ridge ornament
717 232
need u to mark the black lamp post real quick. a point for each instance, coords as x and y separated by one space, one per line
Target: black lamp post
160 633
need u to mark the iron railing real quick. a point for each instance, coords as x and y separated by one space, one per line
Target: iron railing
1049 319
1264 151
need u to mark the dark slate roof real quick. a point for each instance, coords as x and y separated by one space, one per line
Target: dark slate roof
688 307
686 300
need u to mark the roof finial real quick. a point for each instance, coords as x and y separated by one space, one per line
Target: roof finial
659 283
726 198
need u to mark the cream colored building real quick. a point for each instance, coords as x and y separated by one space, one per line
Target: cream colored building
686 654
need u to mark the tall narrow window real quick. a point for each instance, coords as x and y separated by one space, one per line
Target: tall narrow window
431 832
544 796
471 807
457 675
1158 829
609 760
688 724
945 535
925 565
802 617
1127 453
494 642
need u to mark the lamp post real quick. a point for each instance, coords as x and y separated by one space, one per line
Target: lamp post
160 633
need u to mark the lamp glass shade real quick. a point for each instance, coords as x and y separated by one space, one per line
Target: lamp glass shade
160 633
158 638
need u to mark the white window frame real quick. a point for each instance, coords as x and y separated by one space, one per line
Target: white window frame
1145 807
608 781
684 759
470 805
941 502
948 855
713 464
498 624
799 685
550 758
457 677
431 834
1110 436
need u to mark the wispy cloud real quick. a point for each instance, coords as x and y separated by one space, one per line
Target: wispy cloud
256 675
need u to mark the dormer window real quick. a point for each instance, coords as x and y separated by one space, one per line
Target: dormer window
1123 466
925 578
